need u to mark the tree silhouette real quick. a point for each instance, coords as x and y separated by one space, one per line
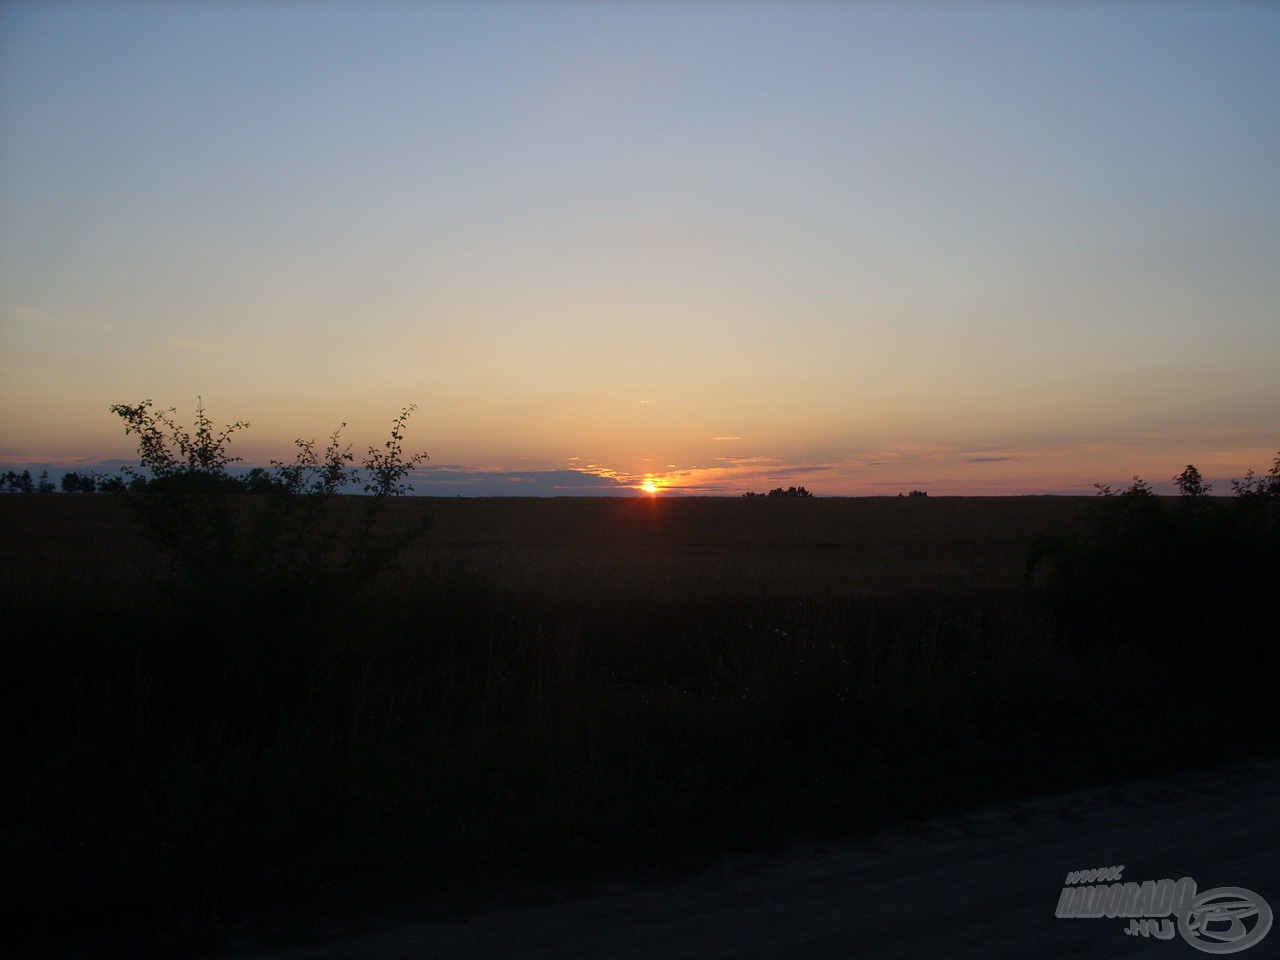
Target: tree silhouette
780 492
1190 483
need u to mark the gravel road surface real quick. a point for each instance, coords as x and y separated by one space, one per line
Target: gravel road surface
983 884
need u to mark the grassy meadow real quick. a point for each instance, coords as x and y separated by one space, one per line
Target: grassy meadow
545 695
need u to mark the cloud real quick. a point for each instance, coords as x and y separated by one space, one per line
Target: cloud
820 468
925 455
457 480
44 461
728 476
726 438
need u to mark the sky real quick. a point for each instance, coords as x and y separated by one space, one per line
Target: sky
970 248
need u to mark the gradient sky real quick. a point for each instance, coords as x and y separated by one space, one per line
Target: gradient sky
864 247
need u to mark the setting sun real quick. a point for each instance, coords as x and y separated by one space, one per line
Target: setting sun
649 486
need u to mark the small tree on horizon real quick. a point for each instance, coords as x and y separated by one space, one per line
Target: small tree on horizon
1191 484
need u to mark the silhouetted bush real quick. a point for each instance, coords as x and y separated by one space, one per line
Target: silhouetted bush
1188 569
293 545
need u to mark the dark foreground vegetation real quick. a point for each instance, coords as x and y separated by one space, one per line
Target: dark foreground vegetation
539 694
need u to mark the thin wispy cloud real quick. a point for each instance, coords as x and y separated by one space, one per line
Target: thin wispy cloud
187 343
458 480
737 475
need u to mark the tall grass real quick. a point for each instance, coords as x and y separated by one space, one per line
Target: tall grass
543 692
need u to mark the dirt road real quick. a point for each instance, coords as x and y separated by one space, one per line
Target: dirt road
985 884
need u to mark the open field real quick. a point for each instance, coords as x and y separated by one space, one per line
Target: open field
821 546
545 694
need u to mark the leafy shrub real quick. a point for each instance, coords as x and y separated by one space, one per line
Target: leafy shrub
294 544
1256 488
1183 569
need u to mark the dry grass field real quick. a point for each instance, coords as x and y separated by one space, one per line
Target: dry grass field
542 693
813 548
822 547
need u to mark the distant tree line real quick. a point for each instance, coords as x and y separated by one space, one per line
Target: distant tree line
257 480
779 492
12 482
